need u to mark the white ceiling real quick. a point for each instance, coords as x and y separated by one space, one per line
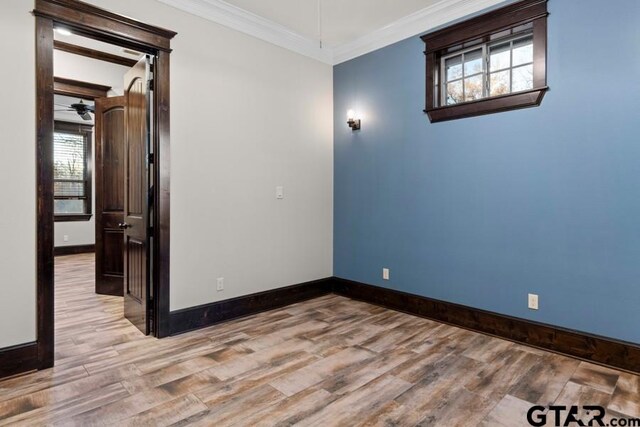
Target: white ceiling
343 21
62 103
350 28
96 45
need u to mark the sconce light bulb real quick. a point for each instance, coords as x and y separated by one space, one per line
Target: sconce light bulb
63 31
351 115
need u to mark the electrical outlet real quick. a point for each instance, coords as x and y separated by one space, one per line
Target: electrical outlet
65 238
385 274
533 301
220 286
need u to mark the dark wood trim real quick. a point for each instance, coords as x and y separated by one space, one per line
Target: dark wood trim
479 30
103 25
92 53
72 217
18 359
484 25
497 104
86 131
592 348
584 346
210 314
540 52
79 89
98 24
44 193
74 250
162 195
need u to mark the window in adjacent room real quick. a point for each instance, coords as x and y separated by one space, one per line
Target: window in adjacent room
72 171
491 63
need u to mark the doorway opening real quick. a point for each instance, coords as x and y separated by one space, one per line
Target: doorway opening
102 172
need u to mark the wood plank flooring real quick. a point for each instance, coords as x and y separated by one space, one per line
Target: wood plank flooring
329 361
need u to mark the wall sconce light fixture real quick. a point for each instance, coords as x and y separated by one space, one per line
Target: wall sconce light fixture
63 31
353 123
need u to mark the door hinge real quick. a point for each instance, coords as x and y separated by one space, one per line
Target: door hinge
151 158
151 231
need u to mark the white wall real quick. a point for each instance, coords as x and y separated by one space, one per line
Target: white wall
246 116
89 70
18 174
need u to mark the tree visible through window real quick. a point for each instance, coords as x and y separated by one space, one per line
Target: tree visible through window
492 69
72 174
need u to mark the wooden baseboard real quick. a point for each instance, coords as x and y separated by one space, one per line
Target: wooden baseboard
209 314
18 359
592 348
73 250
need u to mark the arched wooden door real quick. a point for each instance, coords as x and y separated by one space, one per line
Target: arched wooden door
137 196
109 167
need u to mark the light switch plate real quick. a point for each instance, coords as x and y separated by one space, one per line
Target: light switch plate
279 192
385 274
533 301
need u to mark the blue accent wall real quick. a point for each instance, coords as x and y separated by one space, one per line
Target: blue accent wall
481 211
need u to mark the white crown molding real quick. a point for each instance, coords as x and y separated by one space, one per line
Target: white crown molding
249 23
422 21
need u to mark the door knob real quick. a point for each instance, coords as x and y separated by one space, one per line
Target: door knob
124 225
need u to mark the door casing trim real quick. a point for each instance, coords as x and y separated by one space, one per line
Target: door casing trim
96 23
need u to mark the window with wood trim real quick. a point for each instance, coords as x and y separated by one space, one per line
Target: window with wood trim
72 171
494 62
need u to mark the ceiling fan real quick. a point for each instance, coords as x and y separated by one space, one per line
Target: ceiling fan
81 108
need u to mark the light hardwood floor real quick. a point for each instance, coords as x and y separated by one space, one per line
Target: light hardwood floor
329 361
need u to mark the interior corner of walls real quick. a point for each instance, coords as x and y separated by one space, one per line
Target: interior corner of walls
240 186
248 24
467 174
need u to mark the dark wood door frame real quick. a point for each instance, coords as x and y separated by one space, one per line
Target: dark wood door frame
92 53
79 89
99 24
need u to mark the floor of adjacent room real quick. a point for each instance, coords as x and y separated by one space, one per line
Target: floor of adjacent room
328 361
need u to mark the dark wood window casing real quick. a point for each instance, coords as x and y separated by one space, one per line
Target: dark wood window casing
481 30
86 132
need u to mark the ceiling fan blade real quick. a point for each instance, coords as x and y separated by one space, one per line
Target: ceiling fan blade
86 116
91 108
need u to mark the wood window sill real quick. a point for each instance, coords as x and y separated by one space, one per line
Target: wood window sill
512 101
72 217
